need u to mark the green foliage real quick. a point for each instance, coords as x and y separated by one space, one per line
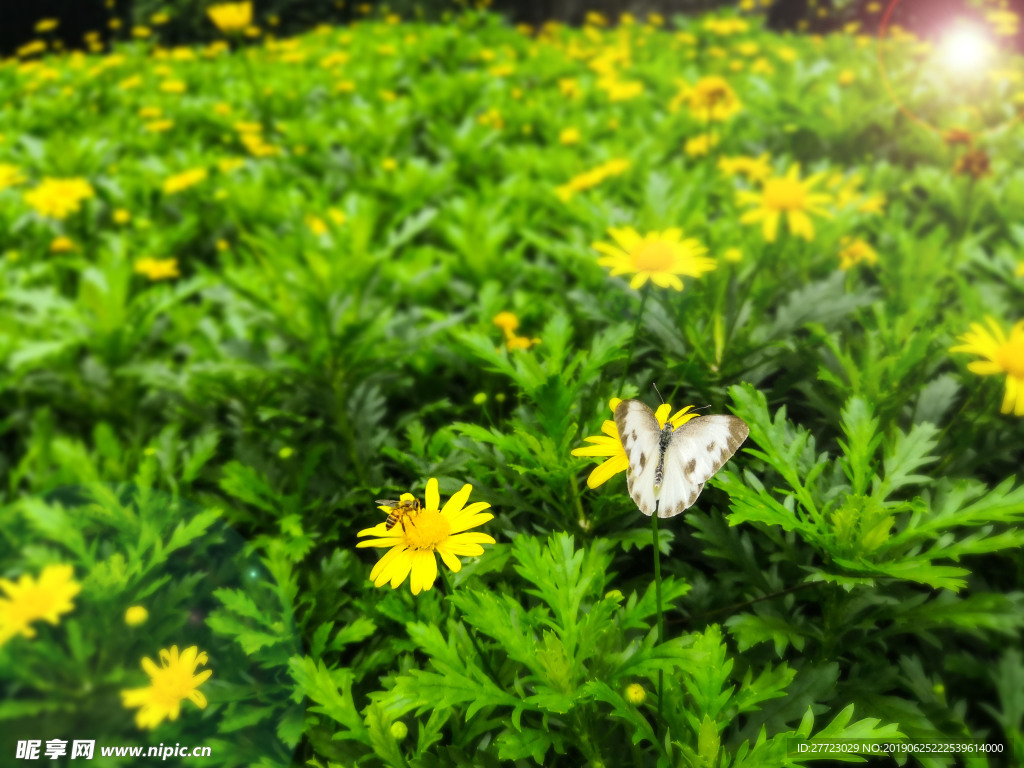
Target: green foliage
385 273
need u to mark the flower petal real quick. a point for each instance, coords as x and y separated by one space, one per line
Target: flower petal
431 498
458 500
424 571
607 470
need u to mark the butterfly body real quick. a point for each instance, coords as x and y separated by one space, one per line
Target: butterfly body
664 439
668 466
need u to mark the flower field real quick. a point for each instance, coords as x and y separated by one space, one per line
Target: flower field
313 351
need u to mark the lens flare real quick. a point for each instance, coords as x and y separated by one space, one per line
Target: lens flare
965 50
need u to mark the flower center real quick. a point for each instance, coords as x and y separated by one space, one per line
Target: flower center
1010 357
784 195
654 257
426 530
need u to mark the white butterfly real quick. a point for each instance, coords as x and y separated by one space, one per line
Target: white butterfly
668 467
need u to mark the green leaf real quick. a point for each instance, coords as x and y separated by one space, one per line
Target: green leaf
862 440
331 690
749 629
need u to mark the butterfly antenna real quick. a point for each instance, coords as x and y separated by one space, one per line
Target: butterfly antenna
659 392
701 408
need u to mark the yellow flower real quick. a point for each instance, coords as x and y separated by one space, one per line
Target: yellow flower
59 197
635 693
591 178
657 256
733 255
520 342
157 269
507 321
10 175
121 216
569 87
159 126
700 145
713 99
1001 354
1019 272
754 168
46 25
135 615
726 27
569 136
855 251
28 600
389 164
184 180
256 145
610 446
229 164
337 216
173 86
620 90
231 18
785 195
316 225
431 530
847 76
1004 22
62 244
171 683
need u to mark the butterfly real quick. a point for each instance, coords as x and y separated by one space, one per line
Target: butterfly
668 466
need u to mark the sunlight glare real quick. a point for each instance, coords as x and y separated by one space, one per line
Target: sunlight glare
965 50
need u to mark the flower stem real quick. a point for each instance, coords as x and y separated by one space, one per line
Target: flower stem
657 592
632 341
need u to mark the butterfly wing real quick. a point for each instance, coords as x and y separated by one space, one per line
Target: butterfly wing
697 450
639 433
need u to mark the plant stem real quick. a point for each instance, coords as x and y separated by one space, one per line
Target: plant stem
657 592
737 606
632 341
576 500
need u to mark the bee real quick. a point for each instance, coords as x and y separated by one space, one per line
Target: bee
398 511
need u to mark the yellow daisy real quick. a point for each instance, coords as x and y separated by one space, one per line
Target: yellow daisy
432 529
853 251
785 195
1002 355
231 18
610 444
27 600
170 684
135 615
657 256
713 99
58 198
754 168
157 269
